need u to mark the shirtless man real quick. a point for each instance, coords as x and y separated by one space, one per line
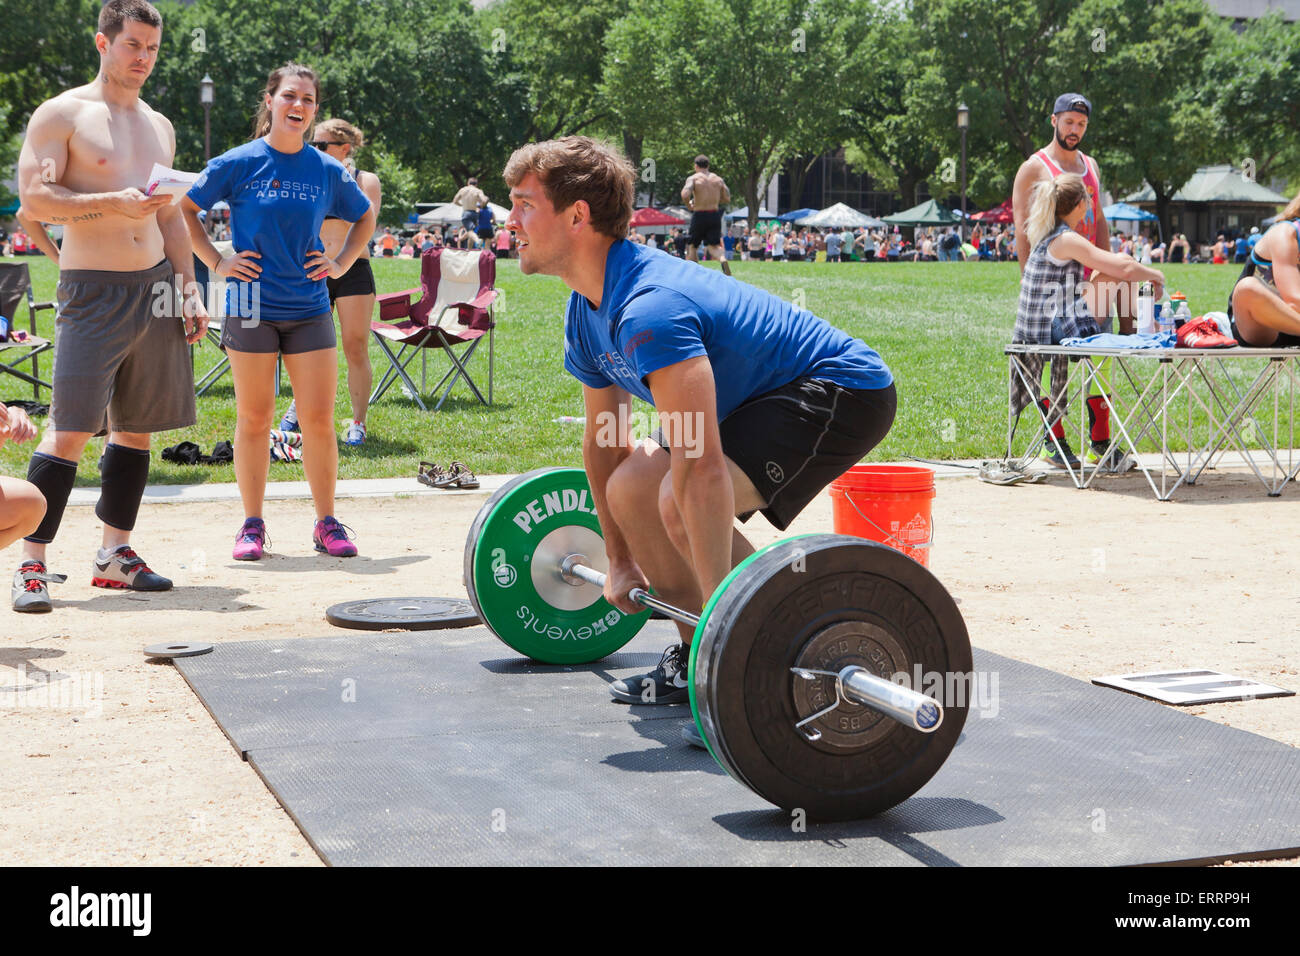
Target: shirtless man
703 194
1062 155
128 303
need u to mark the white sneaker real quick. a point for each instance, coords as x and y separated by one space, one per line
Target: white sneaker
356 433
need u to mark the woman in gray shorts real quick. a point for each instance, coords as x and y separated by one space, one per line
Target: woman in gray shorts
280 191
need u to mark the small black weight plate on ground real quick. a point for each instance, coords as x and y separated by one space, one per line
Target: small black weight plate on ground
177 649
825 602
408 614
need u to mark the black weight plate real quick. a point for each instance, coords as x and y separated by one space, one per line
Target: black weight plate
776 609
409 614
177 649
476 529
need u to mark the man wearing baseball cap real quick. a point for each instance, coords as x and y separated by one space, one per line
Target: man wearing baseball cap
1070 115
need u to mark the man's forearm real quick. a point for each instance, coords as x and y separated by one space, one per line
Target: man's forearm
177 248
599 463
53 203
707 503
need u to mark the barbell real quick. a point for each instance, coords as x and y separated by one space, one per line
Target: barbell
799 661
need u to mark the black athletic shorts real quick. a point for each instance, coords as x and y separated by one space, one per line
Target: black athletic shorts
706 228
359 280
795 440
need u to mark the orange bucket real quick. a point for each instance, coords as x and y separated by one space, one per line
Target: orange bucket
886 503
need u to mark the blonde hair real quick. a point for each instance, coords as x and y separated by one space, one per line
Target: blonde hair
1292 209
344 130
262 122
347 133
1052 200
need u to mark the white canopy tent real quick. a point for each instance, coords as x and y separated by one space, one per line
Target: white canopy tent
840 216
448 214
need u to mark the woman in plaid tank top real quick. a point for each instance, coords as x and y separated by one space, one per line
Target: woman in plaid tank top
1055 300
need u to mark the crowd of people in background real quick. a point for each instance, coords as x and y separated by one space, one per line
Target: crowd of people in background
501 241
995 243
805 244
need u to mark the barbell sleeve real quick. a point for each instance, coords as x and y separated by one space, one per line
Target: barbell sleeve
905 705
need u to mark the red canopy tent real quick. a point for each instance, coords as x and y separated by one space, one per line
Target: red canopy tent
653 217
998 214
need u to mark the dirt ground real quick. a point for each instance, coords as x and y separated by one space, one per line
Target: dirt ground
134 771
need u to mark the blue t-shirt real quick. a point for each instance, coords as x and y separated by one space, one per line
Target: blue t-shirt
657 310
277 204
1242 248
833 243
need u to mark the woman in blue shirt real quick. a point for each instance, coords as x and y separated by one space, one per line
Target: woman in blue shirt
280 192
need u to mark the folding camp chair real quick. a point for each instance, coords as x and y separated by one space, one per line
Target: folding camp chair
15 283
450 280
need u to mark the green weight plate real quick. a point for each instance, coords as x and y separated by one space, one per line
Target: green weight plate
513 558
476 526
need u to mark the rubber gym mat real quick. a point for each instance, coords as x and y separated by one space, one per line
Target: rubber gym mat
430 748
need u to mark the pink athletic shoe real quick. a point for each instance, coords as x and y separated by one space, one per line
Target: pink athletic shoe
251 542
331 536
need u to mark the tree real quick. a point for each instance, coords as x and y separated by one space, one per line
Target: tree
730 77
9 146
995 58
558 48
42 54
901 131
1140 64
414 75
1252 88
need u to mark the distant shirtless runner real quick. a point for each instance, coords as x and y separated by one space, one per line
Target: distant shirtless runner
704 194
126 264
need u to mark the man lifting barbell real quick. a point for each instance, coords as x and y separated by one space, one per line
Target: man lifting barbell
761 403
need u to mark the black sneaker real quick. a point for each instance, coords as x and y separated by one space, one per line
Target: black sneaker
691 734
1113 462
666 684
1055 458
30 595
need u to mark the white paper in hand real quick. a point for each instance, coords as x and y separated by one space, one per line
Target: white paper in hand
164 181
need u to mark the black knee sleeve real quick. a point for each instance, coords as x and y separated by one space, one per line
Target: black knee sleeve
54 476
123 475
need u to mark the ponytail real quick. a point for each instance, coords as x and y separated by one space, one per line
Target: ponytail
262 121
1292 209
1051 201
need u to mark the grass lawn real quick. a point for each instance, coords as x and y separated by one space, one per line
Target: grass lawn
940 327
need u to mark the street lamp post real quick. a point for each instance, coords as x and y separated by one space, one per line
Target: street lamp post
963 124
205 97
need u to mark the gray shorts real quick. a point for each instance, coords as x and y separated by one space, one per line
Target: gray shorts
114 359
289 336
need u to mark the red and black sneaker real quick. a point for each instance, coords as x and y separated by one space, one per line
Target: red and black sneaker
30 594
1202 333
126 569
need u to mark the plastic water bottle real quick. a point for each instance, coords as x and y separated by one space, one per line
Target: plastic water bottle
1146 309
1165 316
1181 314
570 420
